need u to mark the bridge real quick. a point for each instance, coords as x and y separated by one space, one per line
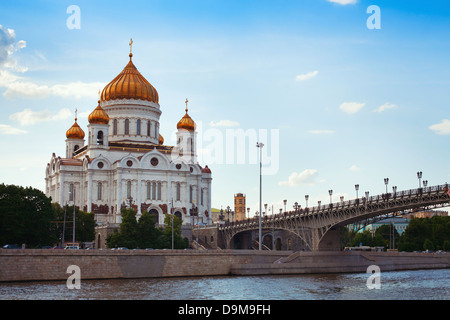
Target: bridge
318 227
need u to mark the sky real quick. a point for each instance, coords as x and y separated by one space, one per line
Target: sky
340 92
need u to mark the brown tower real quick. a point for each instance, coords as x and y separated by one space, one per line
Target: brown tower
239 206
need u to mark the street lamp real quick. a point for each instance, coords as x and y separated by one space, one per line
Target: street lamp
296 206
330 192
386 181
394 189
367 195
73 228
265 208
284 201
342 199
248 212
318 203
306 198
419 176
356 188
260 145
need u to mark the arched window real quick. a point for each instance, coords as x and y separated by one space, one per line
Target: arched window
71 192
99 191
148 128
127 126
115 126
138 127
100 138
178 191
149 187
128 189
154 191
158 191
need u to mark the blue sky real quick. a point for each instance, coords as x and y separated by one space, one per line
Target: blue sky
350 104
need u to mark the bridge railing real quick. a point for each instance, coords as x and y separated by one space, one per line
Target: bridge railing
343 204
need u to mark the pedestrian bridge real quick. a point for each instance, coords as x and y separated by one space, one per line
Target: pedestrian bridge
318 227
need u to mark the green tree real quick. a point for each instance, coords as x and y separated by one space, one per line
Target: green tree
148 235
84 224
428 245
26 216
179 241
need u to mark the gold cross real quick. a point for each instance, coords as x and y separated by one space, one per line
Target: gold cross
131 44
186 104
75 114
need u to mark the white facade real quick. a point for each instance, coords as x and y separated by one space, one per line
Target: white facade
124 163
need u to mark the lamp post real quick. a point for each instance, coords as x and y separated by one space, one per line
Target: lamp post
73 232
306 198
356 188
394 189
284 201
367 195
425 184
330 192
386 181
248 212
419 176
260 145
296 206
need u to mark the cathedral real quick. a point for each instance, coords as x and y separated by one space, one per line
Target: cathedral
125 164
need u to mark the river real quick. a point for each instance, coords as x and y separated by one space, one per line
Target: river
398 285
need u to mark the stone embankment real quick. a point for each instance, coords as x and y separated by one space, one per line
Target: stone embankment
44 264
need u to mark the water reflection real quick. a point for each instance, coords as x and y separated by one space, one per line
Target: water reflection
407 285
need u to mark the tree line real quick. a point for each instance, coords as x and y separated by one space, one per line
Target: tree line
421 234
27 216
142 233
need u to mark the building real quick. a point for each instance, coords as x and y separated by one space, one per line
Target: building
125 163
239 206
399 223
428 213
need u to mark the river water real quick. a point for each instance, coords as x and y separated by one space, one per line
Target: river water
398 285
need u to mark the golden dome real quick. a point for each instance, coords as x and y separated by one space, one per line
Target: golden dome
161 140
186 122
98 115
75 132
130 84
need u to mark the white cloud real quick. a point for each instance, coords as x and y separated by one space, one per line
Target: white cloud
306 177
344 2
21 87
351 107
385 106
321 131
224 123
7 129
29 117
355 168
442 128
26 89
306 76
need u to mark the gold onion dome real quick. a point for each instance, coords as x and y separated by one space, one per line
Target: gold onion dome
130 84
98 115
75 132
186 122
161 140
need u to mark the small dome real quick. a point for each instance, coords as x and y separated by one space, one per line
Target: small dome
98 115
186 122
130 84
206 170
75 132
161 140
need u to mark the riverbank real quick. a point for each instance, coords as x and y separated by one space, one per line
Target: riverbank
45 264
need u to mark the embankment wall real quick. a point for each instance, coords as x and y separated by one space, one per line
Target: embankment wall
41 264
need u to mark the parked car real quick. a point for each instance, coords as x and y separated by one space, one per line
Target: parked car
11 246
